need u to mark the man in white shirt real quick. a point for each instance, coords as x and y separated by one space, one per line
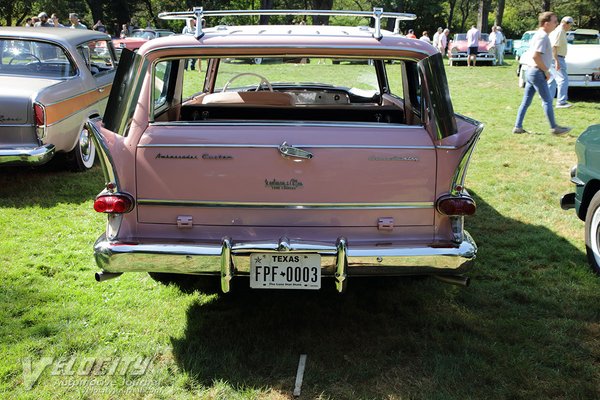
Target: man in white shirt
436 38
501 46
473 44
495 40
538 73
558 40
443 41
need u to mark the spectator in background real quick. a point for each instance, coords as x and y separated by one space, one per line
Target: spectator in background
560 78
75 24
99 26
29 22
55 21
436 38
538 73
411 34
443 42
124 31
43 22
502 46
473 36
425 37
495 39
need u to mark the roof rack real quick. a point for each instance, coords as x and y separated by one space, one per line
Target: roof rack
198 13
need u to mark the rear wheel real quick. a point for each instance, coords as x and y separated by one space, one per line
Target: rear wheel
82 157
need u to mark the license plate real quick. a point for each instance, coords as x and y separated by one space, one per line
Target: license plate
285 271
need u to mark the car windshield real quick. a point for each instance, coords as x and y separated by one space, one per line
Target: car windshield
247 73
143 34
34 58
576 38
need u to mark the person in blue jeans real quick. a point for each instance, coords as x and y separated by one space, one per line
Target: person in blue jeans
560 77
538 73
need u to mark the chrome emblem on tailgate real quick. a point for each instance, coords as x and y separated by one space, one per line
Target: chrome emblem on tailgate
275 184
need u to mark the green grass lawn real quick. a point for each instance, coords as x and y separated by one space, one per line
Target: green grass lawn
528 327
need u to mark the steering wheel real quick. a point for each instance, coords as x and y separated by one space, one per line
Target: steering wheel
262 80
24 56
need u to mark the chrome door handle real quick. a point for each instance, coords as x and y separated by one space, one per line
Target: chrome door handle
290 151
101 90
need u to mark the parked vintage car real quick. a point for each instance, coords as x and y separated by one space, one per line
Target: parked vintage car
53 81
521 46
457 49
285 173
586 198
138 38
583 59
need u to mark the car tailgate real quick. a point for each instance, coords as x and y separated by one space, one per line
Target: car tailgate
223 174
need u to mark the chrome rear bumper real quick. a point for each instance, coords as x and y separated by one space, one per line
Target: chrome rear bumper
229 258
27 156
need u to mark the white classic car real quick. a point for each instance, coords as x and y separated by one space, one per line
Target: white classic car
583 59
53 80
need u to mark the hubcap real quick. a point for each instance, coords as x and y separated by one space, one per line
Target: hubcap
85 145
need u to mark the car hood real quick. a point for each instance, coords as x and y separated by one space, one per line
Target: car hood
16 96
129 42
583 58
461 45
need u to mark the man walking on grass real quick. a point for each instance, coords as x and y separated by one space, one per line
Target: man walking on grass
558 40
538 73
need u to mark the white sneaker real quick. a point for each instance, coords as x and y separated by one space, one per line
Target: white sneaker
564 105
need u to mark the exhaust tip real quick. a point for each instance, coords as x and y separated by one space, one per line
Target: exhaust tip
104 276
458 280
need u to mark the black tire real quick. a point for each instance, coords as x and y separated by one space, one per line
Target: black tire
592 233
189 283
83 156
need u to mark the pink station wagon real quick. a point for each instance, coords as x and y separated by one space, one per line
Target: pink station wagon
287 173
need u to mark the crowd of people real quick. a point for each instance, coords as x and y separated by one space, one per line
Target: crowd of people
42 20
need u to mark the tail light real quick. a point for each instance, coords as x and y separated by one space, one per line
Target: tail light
117 203
456 206
39 119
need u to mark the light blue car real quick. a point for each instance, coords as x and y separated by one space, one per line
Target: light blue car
521 46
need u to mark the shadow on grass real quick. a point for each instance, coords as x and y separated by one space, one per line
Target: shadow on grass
519 331
48 185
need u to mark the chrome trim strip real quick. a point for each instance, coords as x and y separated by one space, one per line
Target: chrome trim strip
33 156
80 94
106 160
461 170
285 206
371 125
272 146
307 49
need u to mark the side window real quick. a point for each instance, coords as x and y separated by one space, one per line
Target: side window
393 70
161 84
97 56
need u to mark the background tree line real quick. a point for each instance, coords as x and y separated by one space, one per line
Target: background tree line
515 16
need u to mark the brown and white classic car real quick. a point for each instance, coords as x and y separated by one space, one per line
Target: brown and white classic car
284 174
52 80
